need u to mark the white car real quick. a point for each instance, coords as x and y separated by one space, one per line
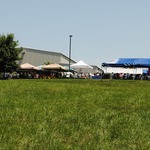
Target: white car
69 75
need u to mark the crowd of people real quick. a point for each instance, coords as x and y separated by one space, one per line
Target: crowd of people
81 75
49 75
128 76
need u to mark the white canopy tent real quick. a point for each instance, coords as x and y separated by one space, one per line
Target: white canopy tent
81 65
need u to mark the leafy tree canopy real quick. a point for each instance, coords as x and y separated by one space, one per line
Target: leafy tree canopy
9 52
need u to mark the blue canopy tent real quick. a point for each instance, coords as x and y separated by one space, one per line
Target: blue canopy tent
129 63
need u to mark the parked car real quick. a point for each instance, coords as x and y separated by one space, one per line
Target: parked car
69 75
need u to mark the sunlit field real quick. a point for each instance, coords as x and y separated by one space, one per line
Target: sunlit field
78 114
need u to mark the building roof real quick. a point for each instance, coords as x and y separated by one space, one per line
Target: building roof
44 51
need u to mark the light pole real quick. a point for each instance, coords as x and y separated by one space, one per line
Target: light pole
70 51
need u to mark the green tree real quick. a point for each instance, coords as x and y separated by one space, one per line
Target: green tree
9 52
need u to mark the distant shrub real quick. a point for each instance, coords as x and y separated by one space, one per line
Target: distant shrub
1 75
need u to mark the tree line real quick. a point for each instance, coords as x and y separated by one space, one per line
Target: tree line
9 53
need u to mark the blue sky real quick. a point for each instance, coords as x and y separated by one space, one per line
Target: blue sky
102 30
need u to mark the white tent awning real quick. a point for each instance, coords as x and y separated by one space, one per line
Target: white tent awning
81 64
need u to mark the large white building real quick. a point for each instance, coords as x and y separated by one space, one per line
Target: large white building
39 57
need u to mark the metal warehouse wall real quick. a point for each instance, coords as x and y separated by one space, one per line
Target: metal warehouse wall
39 57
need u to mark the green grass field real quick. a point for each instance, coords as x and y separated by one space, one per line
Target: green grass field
74 114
